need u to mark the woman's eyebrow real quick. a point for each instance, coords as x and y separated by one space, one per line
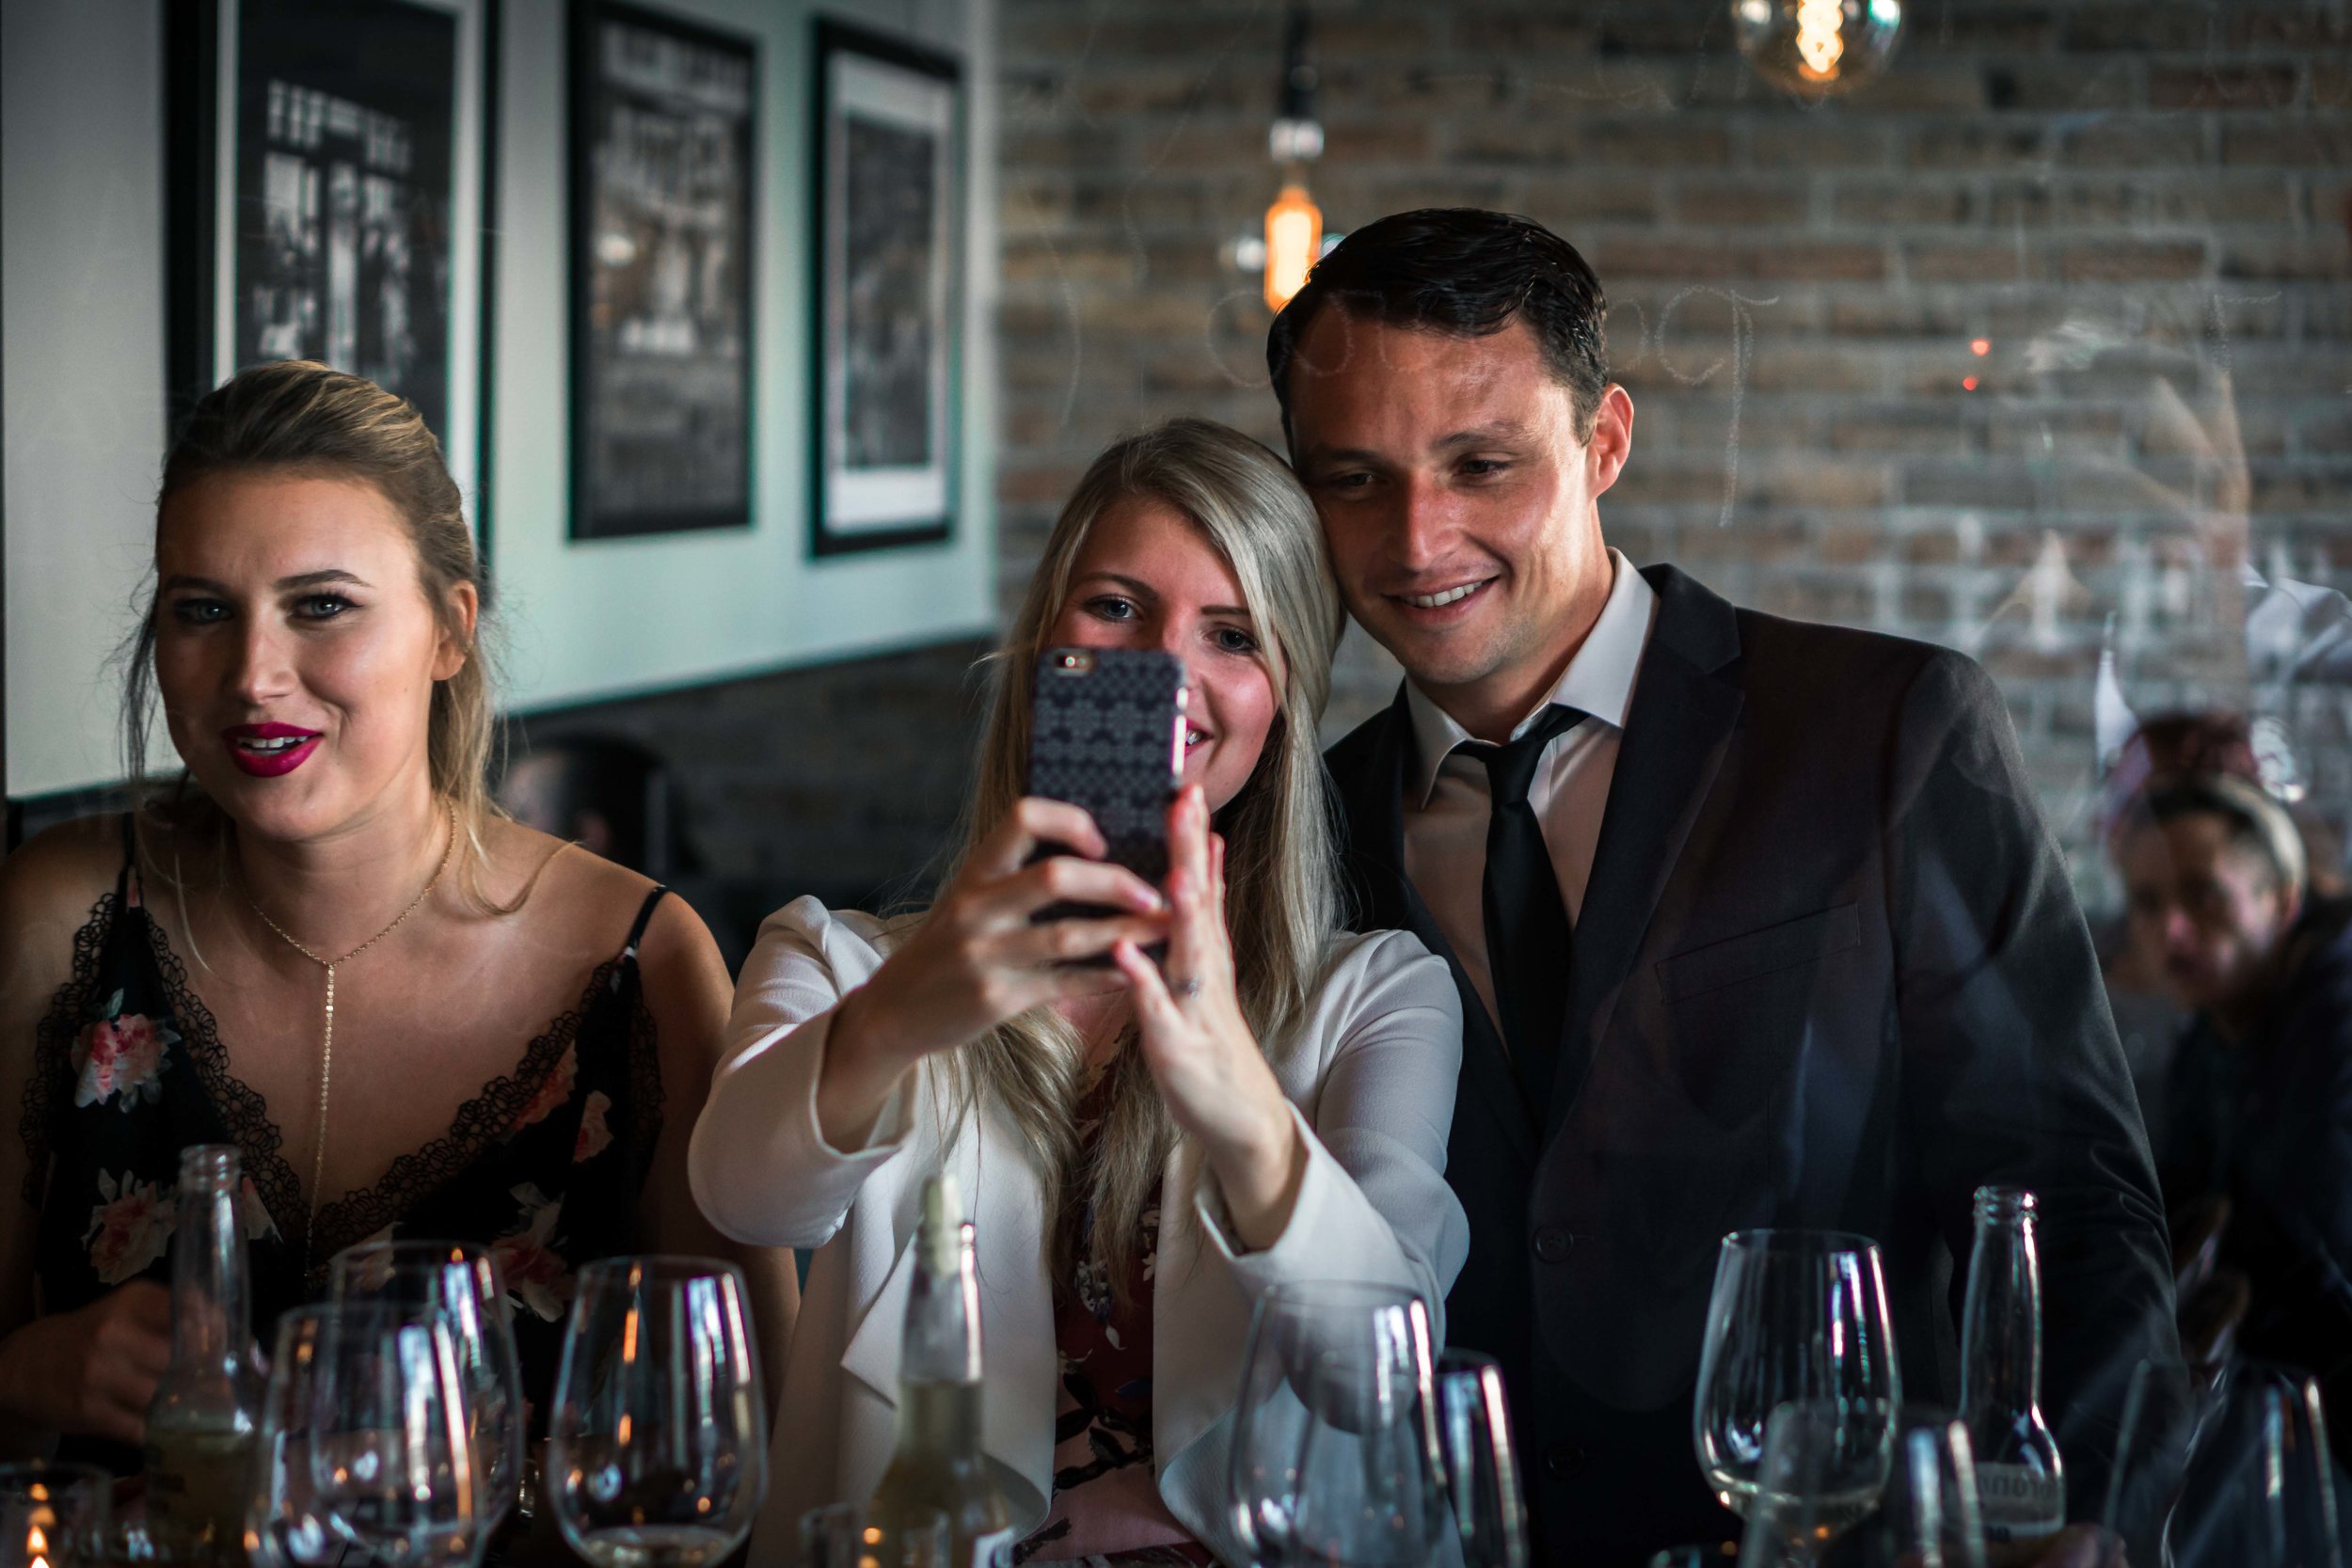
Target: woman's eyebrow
300 579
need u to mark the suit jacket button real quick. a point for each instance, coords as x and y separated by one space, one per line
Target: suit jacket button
1563 1459
1552 1244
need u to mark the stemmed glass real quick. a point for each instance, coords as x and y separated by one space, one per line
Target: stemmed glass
460 1283
392 1459
1798 1316
1336 1455
53 1515
657 1444
1482 1467
2260 1488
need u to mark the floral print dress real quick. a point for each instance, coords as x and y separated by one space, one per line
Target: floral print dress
1106 1508
544 1165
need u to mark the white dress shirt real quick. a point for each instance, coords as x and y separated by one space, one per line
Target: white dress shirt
1369 1075
1446 794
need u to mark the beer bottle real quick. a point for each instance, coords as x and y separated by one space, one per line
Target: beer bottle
202 1426
2021 1487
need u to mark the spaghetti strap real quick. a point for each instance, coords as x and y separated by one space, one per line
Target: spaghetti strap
130 860
645 918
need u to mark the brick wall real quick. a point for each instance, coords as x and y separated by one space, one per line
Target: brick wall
2139 208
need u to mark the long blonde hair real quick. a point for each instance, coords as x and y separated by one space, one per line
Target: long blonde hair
1281 886
302 419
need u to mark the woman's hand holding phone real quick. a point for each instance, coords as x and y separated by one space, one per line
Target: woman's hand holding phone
1198 1046
980 959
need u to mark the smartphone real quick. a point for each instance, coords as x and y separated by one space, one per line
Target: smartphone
1107 733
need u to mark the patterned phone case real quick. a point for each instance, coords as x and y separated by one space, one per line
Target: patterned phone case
1107 734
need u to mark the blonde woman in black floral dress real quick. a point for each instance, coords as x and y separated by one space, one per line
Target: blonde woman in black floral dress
520 1035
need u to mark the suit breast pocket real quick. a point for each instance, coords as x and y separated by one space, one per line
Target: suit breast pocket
1789 946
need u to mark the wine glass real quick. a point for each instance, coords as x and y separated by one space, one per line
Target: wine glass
1821 1472
460 1282
1482 1464
1335 1455
657 1444
1797 1317
286 1523
2160 1414
1930 1517
391 1456
2260 1488
53 1515
838 1536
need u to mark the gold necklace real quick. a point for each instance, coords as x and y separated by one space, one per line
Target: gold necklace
326 1047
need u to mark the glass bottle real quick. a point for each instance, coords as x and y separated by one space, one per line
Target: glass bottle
202 1424
2021 1486
938 1463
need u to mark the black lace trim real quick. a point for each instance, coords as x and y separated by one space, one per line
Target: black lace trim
49 1087
242 1110
488 1116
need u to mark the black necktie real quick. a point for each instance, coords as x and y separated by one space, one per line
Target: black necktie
1527 924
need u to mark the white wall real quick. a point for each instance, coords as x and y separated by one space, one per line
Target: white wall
81 306
590 620
81 367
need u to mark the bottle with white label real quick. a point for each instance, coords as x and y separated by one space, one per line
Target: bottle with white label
2021 1486
938 1463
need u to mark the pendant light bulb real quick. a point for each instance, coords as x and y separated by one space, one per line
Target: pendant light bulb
1816 48
1294 242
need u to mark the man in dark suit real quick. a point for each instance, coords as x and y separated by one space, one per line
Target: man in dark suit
1755 921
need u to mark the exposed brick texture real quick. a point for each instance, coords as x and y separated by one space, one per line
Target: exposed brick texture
2142 207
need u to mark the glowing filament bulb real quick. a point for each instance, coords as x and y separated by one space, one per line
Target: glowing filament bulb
1819 23
1294 236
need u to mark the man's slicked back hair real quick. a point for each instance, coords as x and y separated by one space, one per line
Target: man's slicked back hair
1465 272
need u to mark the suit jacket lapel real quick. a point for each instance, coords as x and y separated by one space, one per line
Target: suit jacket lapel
1682 719
1372 798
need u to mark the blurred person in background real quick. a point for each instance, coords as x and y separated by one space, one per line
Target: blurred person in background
2260 1092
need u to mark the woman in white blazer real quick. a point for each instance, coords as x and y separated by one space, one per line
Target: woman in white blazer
1148 1148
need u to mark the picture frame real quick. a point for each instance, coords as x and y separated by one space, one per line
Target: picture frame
665 253
887 213
330 166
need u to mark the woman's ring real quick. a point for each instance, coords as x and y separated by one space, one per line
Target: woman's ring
1186 988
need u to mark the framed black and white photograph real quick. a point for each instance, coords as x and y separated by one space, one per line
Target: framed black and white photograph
888 202
662 120
327 172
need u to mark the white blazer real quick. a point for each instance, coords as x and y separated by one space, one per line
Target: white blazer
1370 1078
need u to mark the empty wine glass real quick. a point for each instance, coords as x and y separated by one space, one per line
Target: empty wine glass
1797 1317
1930 1516
392 1458
1482 1466
459 1281
1821 1471
839 1536
53 1515
287 1525
1335 1454
2260 1489
2160 1413
657 1444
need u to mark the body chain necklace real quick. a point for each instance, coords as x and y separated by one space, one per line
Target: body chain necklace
327 1048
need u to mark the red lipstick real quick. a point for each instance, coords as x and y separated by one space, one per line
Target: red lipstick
269 751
